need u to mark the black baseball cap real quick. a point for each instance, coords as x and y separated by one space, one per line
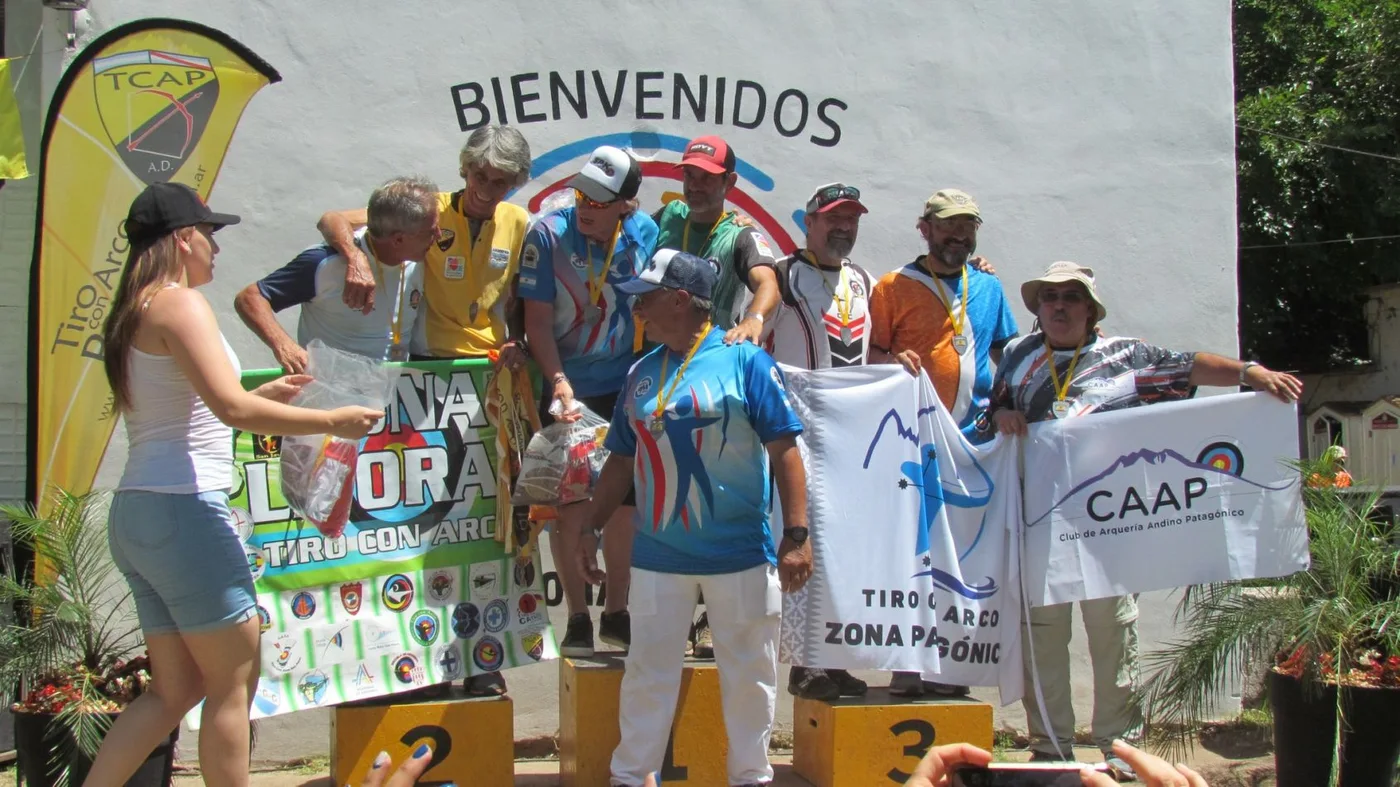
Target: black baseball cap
165 207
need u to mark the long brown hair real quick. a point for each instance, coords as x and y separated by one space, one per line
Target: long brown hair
149 269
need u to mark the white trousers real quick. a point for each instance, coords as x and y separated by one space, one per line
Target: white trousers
744 610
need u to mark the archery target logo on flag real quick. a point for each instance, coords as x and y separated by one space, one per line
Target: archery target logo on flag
1223 456
155 106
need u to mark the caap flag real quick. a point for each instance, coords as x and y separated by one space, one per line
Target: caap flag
151 101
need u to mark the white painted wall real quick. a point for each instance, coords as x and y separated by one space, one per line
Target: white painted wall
1094 130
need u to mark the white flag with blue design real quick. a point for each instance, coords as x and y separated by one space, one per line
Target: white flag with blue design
913 535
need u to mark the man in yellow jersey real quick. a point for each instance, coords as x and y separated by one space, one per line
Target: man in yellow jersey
468 274
403 224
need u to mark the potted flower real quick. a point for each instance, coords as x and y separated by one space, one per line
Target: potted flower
1329 638
70 652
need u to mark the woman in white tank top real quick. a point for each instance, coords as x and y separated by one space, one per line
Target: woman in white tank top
176 382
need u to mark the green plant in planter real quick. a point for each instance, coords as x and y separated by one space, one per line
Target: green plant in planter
1335 624
72 658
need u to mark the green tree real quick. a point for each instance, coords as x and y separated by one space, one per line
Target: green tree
1323 71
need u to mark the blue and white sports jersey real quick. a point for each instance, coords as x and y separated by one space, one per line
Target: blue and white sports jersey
315 281
595 344
703 485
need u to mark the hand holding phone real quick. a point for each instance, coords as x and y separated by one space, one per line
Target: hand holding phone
1025 774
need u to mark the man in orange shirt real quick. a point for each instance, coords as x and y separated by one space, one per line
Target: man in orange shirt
944 314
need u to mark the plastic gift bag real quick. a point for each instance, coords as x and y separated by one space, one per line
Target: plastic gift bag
318 471
562 462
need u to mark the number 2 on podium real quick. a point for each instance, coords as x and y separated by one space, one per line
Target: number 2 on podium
442 746
917 749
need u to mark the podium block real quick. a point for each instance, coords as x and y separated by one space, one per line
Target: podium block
588 726
473 739
878 738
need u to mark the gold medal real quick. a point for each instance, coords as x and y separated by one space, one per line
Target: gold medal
846 334
960 344
657 426
398 353
1060 407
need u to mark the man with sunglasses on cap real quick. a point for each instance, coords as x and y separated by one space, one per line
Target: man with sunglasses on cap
703 432
1066 369
579 325
945 314
700 225
823 323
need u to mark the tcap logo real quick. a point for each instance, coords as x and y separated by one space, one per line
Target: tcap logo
155 106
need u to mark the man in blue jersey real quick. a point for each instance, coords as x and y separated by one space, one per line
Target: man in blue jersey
700 430
580 330
402 225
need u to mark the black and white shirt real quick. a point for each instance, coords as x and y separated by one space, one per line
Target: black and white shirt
824 317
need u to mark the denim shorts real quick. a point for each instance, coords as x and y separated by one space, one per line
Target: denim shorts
183 560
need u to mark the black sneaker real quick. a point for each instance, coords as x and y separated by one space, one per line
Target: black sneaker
850 685
489 684
906 684
578 637
615 628
812 684
1049 756
946 689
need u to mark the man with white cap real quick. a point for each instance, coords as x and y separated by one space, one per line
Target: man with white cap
703 431
1065 369
700 225
579 326
943 313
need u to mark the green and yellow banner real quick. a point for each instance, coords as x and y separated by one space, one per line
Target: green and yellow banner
419 589
152 101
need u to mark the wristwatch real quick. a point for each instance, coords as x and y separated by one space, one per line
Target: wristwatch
797 534
1245 368
756 315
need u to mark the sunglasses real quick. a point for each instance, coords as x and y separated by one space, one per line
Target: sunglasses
587 201
1070 297
831 194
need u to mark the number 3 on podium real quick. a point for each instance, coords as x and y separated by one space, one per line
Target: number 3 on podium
925 732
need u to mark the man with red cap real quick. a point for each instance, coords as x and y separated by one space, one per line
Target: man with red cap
700 225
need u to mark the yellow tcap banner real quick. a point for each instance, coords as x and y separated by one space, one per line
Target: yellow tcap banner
12 165
152 101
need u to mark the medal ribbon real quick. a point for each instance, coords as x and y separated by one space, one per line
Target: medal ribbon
843 281
397 325
595 286
661 400
1061 390
958 320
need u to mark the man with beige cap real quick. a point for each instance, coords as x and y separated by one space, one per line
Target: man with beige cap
945 313
1065 369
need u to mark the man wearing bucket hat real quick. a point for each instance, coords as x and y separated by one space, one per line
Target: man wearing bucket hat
1066 369
702 430
945 314
579 325
700 225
